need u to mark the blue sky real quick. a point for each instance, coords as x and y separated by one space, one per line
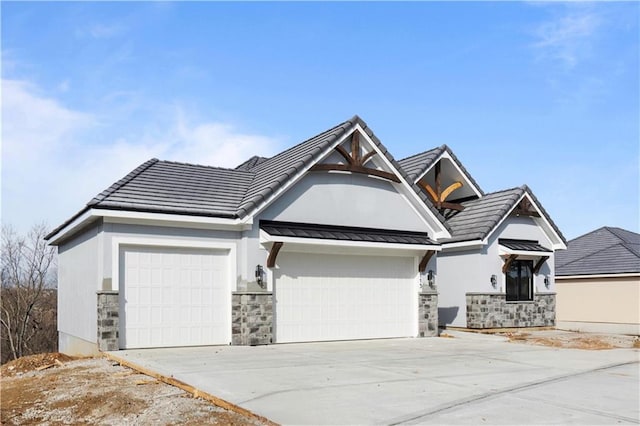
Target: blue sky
545 94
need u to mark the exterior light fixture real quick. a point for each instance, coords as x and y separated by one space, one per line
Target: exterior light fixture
260 275
494 281
431 278
546 282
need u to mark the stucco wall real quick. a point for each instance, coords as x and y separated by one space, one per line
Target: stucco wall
159 233
599 301
521 228
79 278
461 272
346 200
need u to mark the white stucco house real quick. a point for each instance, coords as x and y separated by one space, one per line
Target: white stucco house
331 239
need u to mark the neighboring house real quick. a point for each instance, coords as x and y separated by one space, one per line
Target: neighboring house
331 239
598 282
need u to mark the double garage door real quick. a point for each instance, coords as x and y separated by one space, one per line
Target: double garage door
182 297
344 297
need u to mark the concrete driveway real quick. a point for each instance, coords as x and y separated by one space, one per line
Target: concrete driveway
468 379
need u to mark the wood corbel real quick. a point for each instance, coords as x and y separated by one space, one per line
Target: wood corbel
425 260
507 262
273 254
539 264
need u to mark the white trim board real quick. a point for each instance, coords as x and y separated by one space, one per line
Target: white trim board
117 242
146 218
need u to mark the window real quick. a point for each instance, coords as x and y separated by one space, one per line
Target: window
519 280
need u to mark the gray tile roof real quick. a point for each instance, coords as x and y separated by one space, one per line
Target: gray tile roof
180 188
417 164
170 187
606 250
251 163
522 245
274 172
344 233
482 215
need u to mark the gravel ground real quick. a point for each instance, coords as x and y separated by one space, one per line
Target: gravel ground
95 391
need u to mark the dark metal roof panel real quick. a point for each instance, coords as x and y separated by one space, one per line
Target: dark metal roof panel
522 245
344 233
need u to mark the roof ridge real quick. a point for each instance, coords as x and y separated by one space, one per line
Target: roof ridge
182 163
324 132
398 167
629 250
443 146
122 182
589 254
616 231
503 190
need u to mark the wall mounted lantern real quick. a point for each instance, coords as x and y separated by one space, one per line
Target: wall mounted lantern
431 278
494 281
547 282
260 275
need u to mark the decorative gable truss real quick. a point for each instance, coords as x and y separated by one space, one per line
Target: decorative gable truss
447 183
355 161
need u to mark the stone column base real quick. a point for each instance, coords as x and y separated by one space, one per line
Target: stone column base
108 320
428 313
252 318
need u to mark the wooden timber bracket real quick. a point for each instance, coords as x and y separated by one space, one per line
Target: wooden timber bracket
507 262
438 196
536 268
425 260
525 208
356 161
273 254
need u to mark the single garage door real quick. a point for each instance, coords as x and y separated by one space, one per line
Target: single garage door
335 297
174 297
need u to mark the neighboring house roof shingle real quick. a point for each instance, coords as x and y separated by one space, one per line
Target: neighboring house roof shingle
606 250
417 164
344 233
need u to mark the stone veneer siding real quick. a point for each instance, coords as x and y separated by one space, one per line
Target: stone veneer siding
491 310
427 313
252 318
108 320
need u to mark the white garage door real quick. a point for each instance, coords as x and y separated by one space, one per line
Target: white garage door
174 297
332 297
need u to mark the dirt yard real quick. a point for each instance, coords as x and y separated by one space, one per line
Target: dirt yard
568 339
56 389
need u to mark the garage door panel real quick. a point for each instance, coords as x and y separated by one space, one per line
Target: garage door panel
330 297
174 297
